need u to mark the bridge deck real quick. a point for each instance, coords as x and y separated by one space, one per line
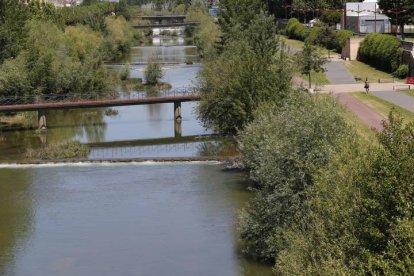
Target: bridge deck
169 25
161 17
97 103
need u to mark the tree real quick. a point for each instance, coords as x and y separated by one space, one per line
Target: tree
283 149
310 59
153 72
401 12
233 85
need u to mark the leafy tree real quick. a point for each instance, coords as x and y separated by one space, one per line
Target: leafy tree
283 148
310 59
236 82
398 9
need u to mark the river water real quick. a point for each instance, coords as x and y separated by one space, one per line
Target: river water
131 219
137 219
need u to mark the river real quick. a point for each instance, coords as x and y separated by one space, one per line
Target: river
130 219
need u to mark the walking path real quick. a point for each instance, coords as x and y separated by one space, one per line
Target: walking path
358 87
366 114
397 98
337 73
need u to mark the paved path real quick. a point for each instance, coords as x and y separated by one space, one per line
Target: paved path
337 73
358 87
366 114
397 98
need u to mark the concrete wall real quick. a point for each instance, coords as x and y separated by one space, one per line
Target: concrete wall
350 51
408 58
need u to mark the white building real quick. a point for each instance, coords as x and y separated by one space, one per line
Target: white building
365 17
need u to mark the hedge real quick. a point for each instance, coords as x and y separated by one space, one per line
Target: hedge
295 29
341 38
381 51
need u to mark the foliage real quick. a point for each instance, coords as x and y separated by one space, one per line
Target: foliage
91 15
381 51
207 33
390 7
331 17
125 73
56 62
402 71
310 59
119 36
58 151
233 84
296 30
153 72
356 216
341 38
283 148
235 17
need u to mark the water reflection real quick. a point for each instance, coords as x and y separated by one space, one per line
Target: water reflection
16 215
165 219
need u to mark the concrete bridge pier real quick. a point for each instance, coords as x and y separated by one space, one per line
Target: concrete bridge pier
178 130
41 116
177 112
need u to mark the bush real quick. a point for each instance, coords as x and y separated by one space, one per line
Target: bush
381 51
65 150
119 37
153 72
402 71
296 30
341 38
125 73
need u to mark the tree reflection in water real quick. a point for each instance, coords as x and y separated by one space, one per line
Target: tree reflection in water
16 215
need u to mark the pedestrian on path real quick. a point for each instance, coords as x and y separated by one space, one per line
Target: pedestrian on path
366 86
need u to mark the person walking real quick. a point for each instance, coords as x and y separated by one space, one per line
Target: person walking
366 86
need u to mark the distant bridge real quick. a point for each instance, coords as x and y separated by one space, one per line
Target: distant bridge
75 101
181 17
167 25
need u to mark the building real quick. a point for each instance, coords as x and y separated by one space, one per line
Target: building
365 18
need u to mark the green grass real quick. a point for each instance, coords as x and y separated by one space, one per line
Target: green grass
366 133
407 92
383 107
292 42
362 70
318 78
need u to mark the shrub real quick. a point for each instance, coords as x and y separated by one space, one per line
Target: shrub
341 38
381 51
125 73
296 30
119 37
153 72
401 72
65 150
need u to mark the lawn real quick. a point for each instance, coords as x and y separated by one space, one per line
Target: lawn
297 44
363 71
318 78
366 133
383 107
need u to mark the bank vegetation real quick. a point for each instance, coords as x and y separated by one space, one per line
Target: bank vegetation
326 201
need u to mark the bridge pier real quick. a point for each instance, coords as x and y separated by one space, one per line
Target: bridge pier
41 116
178 130
177 112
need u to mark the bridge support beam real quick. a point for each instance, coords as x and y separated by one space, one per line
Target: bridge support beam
178 130
41 116
177 111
